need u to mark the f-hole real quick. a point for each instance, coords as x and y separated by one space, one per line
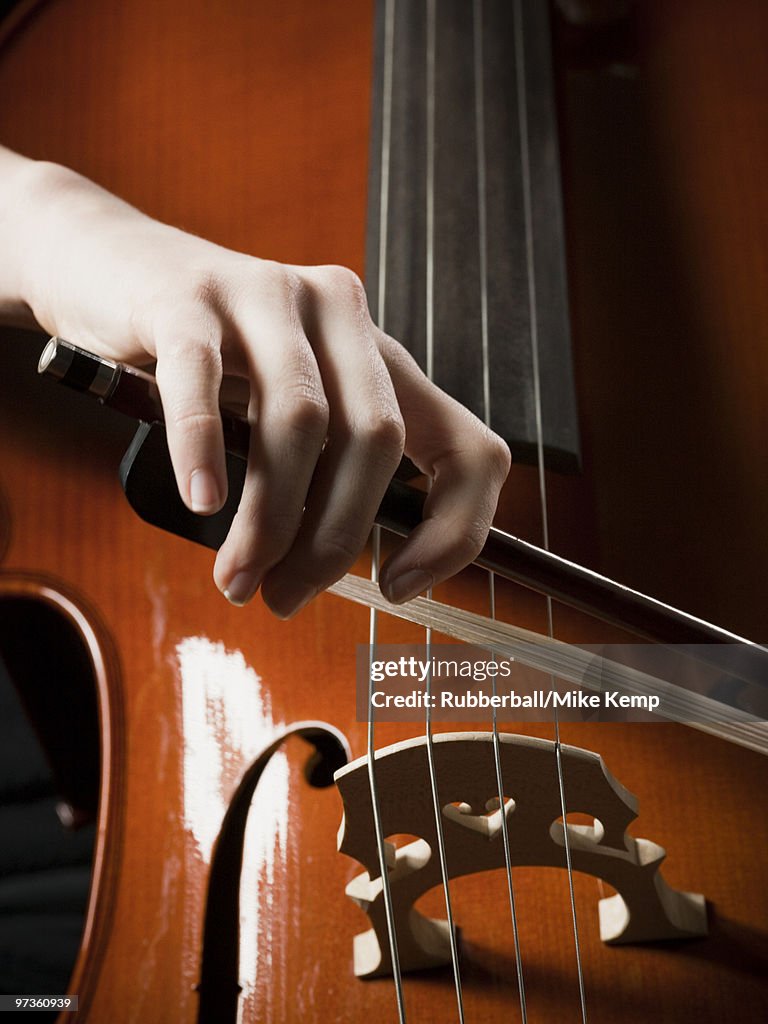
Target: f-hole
50 780
218 987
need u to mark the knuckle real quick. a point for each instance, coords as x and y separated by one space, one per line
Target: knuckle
341 283
191 333
340 278
303 413
499 456
336 548
193 310
194 421
188 374
279 286
204 357
251 283
258 537
194 299
383 436
469 540
318 562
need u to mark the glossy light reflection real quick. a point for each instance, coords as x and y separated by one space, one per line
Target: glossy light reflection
227 721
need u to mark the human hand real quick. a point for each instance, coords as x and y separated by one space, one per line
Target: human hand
333 402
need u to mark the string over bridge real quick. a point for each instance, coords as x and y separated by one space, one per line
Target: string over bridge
644 908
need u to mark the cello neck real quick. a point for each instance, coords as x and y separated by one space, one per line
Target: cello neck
465 254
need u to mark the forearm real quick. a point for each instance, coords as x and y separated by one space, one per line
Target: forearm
17 175
49 217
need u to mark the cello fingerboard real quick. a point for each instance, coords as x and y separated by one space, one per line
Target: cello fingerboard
494 237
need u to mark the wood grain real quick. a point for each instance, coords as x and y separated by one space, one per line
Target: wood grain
247 123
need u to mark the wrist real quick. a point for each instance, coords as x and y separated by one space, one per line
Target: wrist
53 206
31 192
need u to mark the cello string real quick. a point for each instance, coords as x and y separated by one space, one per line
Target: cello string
386 150
386 147
505 829
439 827
375 801
430 55
482 218
430 194
528 218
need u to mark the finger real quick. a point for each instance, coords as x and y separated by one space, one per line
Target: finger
366 436
189 376
341 506
289 417
467 464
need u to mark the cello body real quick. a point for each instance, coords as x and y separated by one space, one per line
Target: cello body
247 124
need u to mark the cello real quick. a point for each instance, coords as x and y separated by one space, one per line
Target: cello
200 673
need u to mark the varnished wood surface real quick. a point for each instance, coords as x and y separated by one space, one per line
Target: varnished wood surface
247 123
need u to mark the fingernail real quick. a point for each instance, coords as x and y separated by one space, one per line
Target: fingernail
409 584
284 599
204 491
241 588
